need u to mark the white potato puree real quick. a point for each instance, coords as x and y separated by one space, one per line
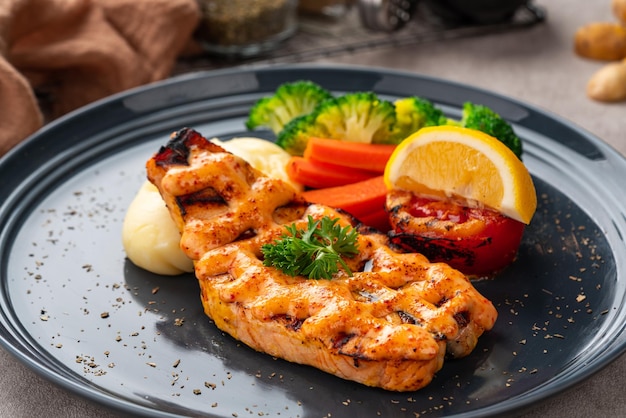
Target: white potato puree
150 237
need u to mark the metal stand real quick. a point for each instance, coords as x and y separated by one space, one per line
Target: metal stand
323 37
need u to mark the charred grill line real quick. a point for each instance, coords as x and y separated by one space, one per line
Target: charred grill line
292 323
181 206
247 234
341 340
364 296
176 152
411 243
462 318
202 197
407 318
178 148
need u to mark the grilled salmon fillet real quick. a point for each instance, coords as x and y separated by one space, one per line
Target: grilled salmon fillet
389 325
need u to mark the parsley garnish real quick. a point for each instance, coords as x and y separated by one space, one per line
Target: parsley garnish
315 252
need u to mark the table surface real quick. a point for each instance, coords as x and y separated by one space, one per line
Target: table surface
535 65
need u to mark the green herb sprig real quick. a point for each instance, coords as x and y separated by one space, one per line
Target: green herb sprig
315 252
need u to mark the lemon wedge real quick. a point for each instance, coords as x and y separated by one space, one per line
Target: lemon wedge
466 165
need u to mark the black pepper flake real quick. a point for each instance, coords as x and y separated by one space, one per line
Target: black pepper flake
175 378
104 315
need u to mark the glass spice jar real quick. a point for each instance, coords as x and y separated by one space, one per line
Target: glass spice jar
329 8
245 28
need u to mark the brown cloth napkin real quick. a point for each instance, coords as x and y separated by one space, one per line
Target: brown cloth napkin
78 51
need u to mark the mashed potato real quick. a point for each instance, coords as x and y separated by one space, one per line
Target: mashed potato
150 238
263 155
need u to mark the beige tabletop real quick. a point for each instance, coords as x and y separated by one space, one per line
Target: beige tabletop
535 65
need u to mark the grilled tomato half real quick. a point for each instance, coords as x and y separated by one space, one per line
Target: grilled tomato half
477 241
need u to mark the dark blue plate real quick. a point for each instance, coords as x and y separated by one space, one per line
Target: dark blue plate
77 312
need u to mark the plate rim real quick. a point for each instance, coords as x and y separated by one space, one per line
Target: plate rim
26 146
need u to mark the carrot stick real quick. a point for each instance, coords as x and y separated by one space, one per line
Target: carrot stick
358 199
372 157
378 220
321 175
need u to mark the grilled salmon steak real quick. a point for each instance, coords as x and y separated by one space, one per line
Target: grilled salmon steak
389 324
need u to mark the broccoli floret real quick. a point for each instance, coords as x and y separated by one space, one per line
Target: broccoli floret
296 133
414 113
356 117
288 101
484 119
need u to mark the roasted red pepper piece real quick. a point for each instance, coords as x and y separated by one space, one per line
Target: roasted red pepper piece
477 241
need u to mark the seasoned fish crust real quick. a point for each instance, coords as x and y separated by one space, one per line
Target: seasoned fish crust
389 325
